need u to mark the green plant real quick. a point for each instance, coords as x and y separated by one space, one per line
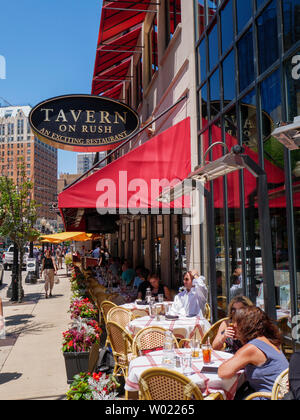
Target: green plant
96 386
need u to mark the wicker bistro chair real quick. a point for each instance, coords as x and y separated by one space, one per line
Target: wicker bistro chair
105 307
163 384
280 389
213 331
207 314
119 315
211 335
121 344
150 339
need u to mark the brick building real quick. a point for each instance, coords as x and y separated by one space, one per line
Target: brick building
16 141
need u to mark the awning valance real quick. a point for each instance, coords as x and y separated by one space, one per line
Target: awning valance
132 183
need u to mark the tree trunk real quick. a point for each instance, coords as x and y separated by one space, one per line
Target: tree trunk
20 288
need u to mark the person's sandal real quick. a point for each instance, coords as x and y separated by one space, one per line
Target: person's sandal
46 296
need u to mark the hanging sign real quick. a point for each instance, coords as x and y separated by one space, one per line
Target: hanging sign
83 123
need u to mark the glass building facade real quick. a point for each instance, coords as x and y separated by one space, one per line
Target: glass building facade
248 71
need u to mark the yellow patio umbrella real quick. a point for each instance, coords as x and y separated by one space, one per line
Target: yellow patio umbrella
69 236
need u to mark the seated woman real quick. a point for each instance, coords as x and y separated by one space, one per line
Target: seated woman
260 355
192 300
157 288
226 336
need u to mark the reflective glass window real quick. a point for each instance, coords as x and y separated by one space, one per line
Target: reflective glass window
229 78
244 13
291 22
212 6
201 17
267 37
203 106
246 60
202 60
227 26
215 86
213 47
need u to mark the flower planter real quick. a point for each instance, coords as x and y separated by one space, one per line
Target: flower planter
75 364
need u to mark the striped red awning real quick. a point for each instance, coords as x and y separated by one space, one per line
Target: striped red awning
112 77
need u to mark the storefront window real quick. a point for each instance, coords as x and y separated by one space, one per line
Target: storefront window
201 17
260 3
244 13
202 60
267 37
293 86
246 60
212 6
252 255
203 106
227 26
214 84
291 22
213 47
229 78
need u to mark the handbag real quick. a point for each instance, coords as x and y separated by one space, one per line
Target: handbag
56 279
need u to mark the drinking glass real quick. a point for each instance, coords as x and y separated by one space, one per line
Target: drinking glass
186 363
195 348
151 310
207 353
160 298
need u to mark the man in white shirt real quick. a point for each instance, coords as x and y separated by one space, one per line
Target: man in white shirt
192 300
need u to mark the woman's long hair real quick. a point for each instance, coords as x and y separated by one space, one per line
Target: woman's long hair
246 302
253 323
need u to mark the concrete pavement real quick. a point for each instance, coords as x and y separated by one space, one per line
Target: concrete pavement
31 361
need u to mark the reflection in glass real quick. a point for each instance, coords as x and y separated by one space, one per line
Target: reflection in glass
212 7
201 17
244 13
254 269
202 60
227 26
246 60
203 106
291 22
229 78
274 167
267 37
215 87
293 86
213 47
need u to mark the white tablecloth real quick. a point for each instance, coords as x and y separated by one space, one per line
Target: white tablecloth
207 382
181 328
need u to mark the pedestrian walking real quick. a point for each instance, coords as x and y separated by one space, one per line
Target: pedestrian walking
58 254
49 269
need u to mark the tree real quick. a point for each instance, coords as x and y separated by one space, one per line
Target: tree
18 215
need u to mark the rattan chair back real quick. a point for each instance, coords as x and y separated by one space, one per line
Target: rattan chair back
150 338
164 384
106 306
213 331
281 386
119 315
207 314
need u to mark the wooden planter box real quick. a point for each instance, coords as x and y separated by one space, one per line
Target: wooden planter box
75 364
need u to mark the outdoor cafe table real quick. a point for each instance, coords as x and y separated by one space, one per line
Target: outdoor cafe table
182 327
208 382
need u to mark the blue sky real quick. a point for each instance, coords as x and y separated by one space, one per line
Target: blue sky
49 48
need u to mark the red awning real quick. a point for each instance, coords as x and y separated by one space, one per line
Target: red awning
114 93
112 77
133 181
120 16
109 54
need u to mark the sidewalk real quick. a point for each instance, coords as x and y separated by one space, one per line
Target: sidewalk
31 361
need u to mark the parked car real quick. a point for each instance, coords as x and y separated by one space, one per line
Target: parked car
8 257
